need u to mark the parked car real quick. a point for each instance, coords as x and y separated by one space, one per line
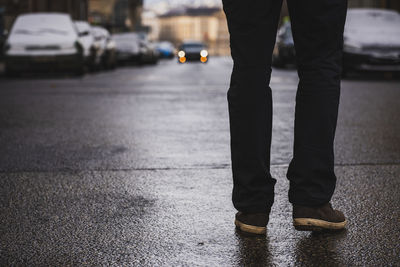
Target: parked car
284 53
148 52
127 47
43 41
166 49
371 40
193 51
3 33
2 41
91 51
106 47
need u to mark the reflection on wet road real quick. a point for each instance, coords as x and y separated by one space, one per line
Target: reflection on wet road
132 168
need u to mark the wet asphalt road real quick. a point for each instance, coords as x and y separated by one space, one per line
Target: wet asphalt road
132 168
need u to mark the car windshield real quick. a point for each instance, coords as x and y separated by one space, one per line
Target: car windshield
165 45
372 19
193 46
43 24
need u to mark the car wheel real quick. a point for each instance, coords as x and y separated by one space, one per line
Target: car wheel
109 62
154 61
113 64
10 73
277 62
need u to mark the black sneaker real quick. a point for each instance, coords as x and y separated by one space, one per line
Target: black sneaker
318 218
255 223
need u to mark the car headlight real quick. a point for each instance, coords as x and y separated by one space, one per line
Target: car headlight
181 53
204 53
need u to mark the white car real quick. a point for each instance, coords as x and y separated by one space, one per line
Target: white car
128 47
91 51
43 41
149 53
371 40
106 47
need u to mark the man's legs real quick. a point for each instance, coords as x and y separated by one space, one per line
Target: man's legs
317 27
252 26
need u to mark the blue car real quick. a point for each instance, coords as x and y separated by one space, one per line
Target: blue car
166 49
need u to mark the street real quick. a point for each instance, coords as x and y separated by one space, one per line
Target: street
132 168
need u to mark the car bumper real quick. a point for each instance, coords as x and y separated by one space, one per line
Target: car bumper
122 56
42 63
192 57
352 61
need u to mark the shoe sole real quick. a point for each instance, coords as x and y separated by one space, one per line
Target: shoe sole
309 224
259 230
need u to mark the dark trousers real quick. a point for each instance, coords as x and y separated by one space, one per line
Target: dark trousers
317 27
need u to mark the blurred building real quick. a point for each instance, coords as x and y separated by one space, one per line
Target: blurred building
101 12
386 4
203 24
222 47
116 15
151 21
78 9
